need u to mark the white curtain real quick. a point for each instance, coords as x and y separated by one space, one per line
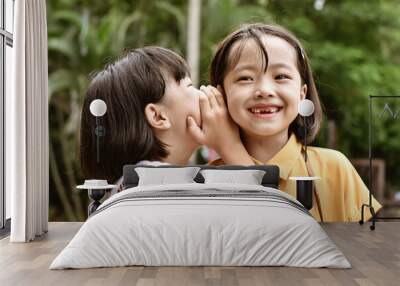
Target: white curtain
27 170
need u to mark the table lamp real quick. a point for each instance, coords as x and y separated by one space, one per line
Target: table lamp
304 185
98 108
97 188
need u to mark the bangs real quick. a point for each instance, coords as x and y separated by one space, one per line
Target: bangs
242 41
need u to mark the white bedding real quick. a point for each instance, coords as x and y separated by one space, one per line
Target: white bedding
201 224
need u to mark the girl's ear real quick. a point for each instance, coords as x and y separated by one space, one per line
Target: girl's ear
156 117
303 92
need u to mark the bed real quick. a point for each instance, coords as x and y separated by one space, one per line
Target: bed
201 222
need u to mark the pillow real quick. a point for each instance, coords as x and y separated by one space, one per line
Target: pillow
248 177
270 179
162 176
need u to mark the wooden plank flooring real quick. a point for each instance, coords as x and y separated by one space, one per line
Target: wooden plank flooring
374 255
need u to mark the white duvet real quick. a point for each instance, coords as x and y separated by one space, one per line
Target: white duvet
201 224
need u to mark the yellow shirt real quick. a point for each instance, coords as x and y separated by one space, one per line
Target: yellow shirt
340 189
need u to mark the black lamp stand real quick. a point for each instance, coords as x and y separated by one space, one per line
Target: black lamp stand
369 205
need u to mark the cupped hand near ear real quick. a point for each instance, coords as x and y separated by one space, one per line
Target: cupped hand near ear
218 131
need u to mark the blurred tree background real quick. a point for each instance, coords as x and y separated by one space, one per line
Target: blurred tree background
353 46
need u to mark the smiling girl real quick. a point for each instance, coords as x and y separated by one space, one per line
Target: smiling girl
263 73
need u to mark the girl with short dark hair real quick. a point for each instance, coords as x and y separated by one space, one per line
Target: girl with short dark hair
149 94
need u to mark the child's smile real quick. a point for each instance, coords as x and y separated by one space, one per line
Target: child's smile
265 110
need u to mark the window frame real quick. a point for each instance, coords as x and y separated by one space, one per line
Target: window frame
6 39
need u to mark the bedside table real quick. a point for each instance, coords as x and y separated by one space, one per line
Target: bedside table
96 191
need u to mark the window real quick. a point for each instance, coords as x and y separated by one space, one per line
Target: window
6 64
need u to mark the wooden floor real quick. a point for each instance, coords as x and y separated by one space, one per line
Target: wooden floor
374 255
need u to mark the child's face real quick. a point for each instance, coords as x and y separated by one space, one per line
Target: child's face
264 103
181 100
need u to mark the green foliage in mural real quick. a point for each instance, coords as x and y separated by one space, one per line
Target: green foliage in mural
353 46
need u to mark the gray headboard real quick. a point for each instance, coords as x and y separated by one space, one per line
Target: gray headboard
270 179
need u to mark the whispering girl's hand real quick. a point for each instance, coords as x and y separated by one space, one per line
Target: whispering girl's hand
218 130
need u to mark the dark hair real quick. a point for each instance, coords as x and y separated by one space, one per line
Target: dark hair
127 86
223 61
